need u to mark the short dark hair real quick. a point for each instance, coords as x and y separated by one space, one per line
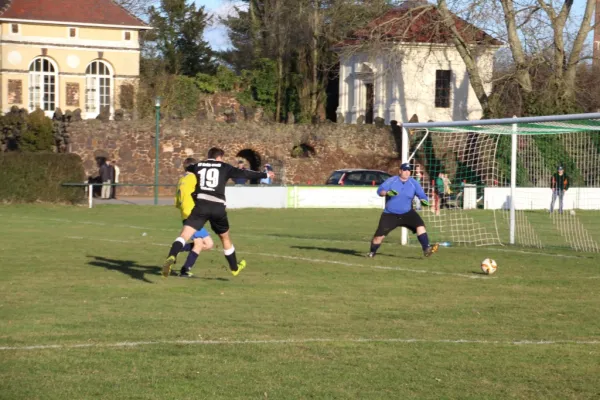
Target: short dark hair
189 161
215 152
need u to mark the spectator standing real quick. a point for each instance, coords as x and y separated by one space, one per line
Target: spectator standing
559 185
116 172
267 170
105 178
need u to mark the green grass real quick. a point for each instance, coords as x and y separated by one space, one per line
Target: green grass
86 280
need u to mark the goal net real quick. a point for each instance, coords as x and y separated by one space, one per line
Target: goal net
496 182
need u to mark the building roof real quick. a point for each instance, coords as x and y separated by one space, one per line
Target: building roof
96 12
417 22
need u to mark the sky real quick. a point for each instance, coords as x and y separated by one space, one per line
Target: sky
216 35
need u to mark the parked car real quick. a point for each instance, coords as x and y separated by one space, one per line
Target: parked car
357 177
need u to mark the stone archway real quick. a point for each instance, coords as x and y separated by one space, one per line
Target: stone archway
254 160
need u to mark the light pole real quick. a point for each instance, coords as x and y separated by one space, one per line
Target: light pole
156 155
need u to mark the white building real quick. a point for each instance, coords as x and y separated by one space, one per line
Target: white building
412 67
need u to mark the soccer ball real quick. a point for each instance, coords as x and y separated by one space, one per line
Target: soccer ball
488 266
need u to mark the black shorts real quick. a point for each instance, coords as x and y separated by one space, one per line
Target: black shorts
388 222
210 211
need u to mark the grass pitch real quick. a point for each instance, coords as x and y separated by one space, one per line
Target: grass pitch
86 315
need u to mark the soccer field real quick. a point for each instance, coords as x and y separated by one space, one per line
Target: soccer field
86 315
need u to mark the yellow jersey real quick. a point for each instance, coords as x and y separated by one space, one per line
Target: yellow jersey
184 199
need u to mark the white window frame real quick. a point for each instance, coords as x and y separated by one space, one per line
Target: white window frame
39 101
94 92
10 31
76 32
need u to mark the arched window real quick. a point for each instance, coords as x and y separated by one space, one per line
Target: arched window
98 86
43 76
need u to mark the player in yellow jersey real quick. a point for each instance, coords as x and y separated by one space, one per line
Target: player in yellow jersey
185 203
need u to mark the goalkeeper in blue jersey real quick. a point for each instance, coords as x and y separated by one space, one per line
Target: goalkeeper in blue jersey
399 192
185 203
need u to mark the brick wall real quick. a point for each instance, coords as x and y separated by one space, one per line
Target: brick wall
131 143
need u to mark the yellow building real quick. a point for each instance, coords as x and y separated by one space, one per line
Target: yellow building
68 54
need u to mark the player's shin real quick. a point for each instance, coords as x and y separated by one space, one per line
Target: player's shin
176 247
424 240
374 247
190 260
231 258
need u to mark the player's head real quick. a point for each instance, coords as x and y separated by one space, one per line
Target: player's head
215 153
405 170
561 170
189 161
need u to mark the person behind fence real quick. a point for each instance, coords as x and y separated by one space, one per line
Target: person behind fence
440 190
266 170
559 185
105 178
241 180
116 173
447 188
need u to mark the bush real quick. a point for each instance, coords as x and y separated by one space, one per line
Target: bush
206 83
184 98
227 80
27 132
30 177
260 86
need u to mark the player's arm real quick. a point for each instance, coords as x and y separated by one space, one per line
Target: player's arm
186 190
385 189
420 193
234 172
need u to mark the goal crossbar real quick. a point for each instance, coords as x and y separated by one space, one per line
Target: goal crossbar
526 125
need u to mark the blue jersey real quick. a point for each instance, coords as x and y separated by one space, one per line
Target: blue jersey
403 201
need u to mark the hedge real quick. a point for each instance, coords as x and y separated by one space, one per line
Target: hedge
32 177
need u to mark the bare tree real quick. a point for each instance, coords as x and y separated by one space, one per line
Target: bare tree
540 33
139 8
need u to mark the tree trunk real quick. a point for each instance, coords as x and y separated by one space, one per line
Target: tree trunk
314 87
522 69
465 52
574 57
279 86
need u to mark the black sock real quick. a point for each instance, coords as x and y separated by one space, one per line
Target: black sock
190 260
176 247
374 247
231 258
424 240
188 247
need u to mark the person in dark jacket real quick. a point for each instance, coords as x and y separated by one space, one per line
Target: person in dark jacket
105 177
559 185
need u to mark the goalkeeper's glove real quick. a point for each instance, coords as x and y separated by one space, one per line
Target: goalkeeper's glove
391 193
425 202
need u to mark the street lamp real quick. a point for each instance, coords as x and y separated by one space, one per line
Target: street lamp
157 106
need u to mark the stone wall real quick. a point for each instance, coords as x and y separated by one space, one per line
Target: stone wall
300 154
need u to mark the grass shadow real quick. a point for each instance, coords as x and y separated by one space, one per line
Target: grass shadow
127 267
348 252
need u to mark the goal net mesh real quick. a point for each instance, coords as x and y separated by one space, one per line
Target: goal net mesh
465 171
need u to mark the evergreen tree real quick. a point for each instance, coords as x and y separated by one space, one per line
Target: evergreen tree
177 37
